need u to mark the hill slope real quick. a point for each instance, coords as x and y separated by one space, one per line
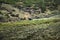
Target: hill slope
31 30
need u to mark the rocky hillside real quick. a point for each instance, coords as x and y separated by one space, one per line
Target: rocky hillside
29 19
9 12
27 10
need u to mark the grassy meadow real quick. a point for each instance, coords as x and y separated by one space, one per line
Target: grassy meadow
41 29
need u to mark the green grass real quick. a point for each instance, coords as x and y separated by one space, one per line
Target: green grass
30 22
28 29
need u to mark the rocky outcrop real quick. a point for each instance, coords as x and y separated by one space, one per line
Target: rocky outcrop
25 13
9 10
13 12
